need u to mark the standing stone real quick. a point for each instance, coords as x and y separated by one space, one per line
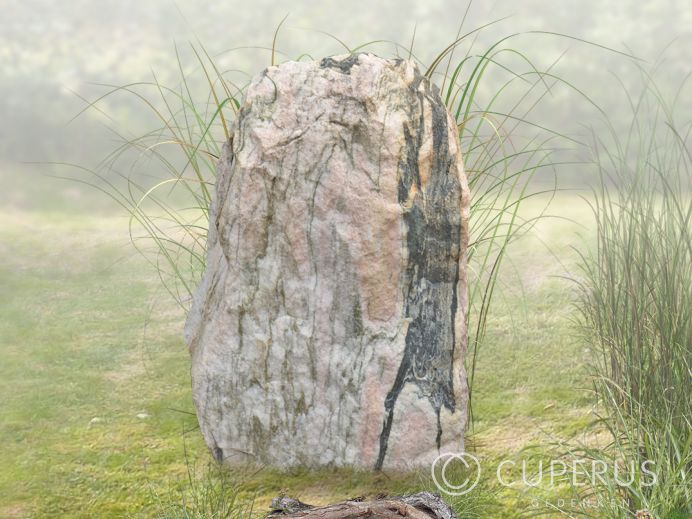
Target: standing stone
329 327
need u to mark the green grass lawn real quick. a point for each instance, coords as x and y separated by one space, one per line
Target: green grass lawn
96 416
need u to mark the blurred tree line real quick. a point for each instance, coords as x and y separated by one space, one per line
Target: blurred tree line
52 54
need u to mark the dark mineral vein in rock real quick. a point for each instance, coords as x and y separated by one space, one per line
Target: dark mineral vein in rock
433 239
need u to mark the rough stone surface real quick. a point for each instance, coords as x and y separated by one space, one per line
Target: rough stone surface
329 327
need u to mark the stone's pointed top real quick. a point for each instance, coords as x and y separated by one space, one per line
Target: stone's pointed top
345 62
329 327
341 63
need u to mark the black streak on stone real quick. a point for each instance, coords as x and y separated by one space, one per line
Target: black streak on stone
431 276
217 453
345 65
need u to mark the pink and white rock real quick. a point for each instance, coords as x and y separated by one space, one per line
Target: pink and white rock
329 327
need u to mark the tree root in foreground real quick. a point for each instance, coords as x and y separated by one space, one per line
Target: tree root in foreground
423 505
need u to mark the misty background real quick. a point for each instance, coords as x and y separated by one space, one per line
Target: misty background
56 56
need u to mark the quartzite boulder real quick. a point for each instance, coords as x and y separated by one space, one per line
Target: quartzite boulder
329 327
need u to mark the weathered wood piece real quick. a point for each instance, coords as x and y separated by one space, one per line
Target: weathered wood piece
423 505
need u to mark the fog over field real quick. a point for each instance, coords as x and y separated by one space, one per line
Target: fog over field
53 54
